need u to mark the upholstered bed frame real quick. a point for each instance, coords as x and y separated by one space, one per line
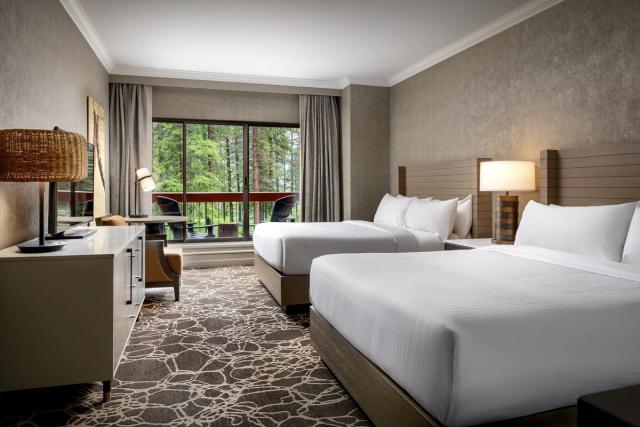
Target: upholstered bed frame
443 180
576 177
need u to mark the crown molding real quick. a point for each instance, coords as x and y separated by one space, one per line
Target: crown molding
365 81
224 77
512 18
82 21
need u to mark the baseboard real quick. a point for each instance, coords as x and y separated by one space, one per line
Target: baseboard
216 254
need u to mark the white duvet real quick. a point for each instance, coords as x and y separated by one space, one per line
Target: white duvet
489 334
291 247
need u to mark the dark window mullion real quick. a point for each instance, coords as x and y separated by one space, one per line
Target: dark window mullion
245 181
184 179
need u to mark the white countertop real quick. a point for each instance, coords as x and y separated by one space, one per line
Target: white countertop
105 242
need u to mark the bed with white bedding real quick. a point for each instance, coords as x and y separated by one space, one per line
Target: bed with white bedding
291 247
284 251
490 334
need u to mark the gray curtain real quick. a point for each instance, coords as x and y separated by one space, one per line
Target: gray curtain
320 158
130 144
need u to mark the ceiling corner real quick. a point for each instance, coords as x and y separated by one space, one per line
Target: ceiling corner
512 18
79 17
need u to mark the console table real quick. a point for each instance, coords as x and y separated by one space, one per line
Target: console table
66 316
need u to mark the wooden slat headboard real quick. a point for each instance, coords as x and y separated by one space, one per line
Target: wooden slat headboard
447 180
590 176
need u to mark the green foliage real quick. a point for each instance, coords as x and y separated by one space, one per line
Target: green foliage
215 164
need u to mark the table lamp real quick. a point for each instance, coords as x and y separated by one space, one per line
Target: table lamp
507 175
144 179
32 155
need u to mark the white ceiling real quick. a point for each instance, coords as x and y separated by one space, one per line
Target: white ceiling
318 43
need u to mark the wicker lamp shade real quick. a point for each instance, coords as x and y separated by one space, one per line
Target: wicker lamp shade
42 156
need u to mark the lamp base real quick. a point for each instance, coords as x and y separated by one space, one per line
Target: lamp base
506 219
501 242
34 247
138 216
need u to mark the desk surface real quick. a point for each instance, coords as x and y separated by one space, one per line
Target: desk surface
156 219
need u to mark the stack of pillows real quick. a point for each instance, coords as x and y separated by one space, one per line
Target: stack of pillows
446 218
610 232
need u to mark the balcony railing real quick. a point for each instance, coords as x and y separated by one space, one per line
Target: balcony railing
224 210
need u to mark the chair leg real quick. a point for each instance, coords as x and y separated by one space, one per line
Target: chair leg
176 290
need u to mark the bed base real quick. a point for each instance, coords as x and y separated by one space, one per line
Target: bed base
384 402
290 292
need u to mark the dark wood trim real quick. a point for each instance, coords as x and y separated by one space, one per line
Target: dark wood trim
402 180
548 175
386 403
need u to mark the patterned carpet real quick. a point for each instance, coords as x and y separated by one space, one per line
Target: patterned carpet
224 355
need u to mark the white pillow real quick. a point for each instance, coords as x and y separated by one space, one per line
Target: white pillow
391 210
464 217
596 231
631 252
432 215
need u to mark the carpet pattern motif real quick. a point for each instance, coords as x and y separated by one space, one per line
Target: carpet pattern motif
225 355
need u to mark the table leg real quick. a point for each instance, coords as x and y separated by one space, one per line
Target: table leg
106 391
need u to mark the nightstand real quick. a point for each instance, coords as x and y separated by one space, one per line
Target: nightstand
613 408
456 244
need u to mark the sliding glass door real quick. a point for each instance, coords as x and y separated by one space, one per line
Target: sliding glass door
225 177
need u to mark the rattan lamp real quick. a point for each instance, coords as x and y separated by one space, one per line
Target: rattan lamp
31 155
507 175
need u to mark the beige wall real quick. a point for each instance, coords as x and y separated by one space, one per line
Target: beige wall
567 77
47 70
213 104
365 149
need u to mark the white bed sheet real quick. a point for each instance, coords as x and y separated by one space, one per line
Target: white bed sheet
291 247
489 334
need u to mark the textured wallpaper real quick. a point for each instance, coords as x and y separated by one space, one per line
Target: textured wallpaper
567 77
47 71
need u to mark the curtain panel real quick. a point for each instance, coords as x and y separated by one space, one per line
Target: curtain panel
130 145
320 158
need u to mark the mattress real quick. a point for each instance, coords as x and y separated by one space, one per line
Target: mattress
291 247
489 334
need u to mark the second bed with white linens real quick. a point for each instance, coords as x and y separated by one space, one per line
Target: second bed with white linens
489 334
291 247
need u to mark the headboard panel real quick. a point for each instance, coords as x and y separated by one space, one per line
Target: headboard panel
447 180
590 176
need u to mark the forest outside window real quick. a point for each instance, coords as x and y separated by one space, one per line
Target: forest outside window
225 177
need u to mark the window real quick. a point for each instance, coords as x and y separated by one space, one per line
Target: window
225 177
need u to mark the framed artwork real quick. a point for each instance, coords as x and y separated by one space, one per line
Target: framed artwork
96 136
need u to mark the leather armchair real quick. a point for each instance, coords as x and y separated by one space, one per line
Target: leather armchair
163 266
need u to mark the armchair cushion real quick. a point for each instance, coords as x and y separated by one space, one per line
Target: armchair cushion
113 220
174 259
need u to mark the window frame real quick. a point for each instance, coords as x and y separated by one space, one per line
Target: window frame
245 168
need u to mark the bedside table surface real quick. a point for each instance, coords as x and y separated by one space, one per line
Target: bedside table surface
470 243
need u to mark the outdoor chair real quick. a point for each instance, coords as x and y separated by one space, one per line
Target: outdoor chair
171 207
282 209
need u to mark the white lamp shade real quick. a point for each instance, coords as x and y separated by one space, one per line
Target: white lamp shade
147 184
145 180
143 173
507 175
